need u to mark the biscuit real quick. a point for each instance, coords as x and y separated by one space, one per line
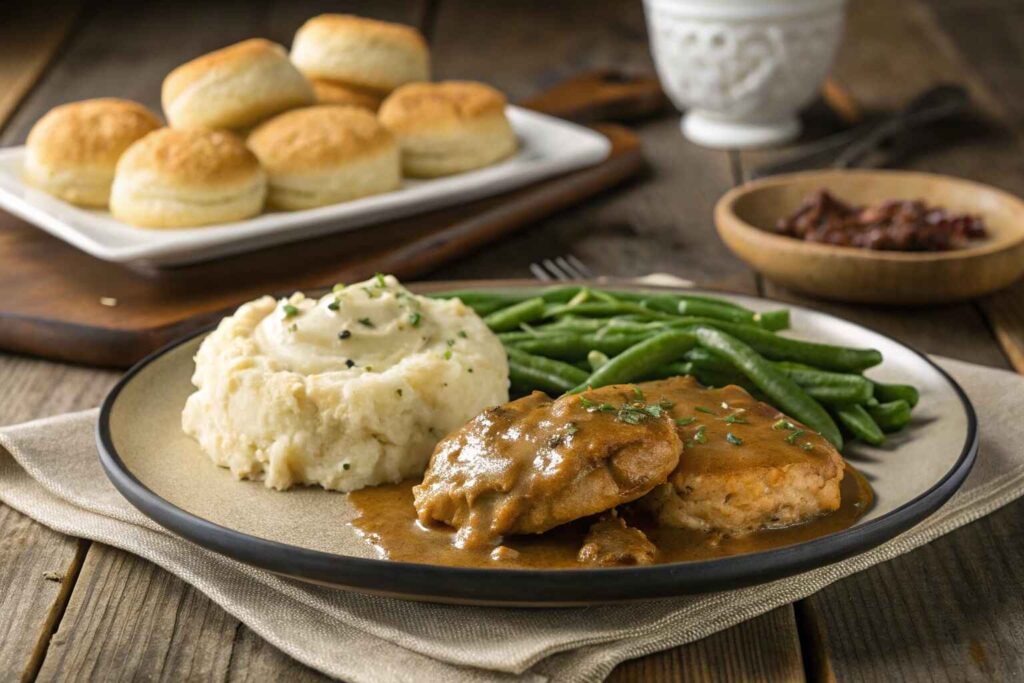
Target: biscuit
182 178
324 155
448 127
361 52
336 92
72 151
235 87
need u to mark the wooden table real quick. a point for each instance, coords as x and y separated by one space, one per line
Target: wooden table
951 610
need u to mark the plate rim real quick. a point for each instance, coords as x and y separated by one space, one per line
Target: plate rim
531 587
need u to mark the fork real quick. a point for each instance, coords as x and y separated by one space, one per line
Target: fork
562 268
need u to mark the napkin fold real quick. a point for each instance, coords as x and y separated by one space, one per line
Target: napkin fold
50 471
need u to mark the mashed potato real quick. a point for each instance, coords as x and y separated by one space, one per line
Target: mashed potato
348 391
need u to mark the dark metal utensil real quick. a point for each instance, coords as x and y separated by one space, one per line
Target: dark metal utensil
852 147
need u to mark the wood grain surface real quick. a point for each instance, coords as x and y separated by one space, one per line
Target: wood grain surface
952 610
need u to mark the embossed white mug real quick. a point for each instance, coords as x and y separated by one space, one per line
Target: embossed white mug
743 68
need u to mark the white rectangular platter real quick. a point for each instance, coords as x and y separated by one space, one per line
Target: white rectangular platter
548 147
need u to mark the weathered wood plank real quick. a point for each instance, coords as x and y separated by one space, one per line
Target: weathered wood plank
125 50
38 566
92 65
660 223
989 33
939 613
31 34
130 620
763 649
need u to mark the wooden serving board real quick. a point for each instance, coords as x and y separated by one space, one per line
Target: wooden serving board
61 303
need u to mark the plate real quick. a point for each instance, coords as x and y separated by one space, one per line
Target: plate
746 215
548 146
303 533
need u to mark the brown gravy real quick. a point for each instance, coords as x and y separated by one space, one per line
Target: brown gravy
387 520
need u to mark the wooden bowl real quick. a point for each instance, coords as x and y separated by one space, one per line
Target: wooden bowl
746 215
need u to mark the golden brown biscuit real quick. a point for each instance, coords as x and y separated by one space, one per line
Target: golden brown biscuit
182 178
235 87
448 127
336 92
72 151
324 155
362 52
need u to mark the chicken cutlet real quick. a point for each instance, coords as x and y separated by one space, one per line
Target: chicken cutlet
537 463
745 465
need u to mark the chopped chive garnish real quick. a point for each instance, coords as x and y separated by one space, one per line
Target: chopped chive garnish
606 408
702 409
334 305
793 436
571 428
345 465
683 421
448 354
449 342
350 363
779 425
338 287
699 436
380 280
289 310
639 394
734 419
415 318
733 439
586 402
462 333
366 322
344 334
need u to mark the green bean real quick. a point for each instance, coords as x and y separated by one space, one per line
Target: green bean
512 317
596 359
783 392
641 359
860 424
773 320
703 359
824 356
529 372
606 308
714 310
829 387
886 393
573 347
891 416
669 303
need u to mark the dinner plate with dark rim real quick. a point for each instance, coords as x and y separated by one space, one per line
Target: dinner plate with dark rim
304 533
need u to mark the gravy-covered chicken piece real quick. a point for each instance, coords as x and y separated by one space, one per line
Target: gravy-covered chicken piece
745 467
610 542
534 464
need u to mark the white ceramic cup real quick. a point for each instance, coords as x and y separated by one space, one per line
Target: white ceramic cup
742 69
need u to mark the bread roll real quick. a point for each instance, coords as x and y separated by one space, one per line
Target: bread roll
361 52
335 92
324 155
235 87
183 178
448 127
72 151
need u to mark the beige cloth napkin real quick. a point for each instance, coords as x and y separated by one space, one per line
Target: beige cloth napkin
50 472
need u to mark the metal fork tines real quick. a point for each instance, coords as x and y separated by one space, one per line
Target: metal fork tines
562 268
